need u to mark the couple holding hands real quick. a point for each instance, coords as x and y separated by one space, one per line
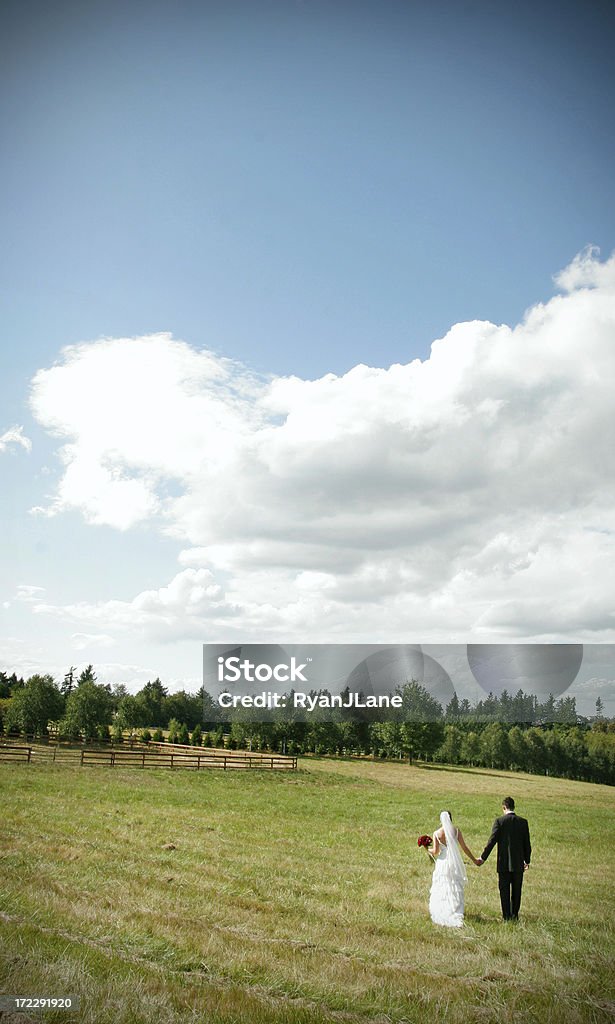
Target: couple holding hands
511 834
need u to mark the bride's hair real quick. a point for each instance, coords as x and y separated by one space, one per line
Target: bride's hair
450 815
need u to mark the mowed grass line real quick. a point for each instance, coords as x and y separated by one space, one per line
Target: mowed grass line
298 898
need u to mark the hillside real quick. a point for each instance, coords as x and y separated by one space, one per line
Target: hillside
253 898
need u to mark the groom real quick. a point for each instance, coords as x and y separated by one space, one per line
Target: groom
512 835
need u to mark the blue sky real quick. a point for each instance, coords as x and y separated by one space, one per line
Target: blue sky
300 187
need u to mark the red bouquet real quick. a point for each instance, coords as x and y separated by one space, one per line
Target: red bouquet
424 841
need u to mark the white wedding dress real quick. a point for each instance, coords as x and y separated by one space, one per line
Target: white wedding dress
447 888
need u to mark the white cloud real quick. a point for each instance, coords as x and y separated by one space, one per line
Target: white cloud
585 271
135 412
471 494
14 436
179 609
134 677
29 593
83 641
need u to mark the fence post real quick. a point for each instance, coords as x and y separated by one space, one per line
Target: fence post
143 759
29 754
171 759
82 753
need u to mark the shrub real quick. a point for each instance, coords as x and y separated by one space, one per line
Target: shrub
158 736
197 736
145 736
183 735
173 730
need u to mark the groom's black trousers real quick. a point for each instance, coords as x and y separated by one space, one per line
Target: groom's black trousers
510 883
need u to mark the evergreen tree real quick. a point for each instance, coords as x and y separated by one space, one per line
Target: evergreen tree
453 711
118 692
487 709
186 707
418 704
87 676
506 707
523 708
174 728
69 681
547 712
152 699
566 711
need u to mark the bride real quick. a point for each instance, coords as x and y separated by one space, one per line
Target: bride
449 876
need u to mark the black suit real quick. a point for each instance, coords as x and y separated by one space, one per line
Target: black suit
512 835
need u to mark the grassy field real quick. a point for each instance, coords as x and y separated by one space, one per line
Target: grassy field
259 898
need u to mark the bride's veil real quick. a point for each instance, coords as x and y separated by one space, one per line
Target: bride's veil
455 864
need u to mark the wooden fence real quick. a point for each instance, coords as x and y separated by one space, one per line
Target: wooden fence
153 756
179 759
12 752
189 750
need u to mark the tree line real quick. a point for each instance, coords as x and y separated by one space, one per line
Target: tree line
500 732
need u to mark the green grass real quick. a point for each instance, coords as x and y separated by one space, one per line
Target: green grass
297 899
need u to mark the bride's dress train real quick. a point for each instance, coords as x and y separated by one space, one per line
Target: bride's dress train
447 892
448 882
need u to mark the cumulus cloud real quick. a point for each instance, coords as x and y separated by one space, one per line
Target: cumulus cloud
136 413
14 436
468 494
173 611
